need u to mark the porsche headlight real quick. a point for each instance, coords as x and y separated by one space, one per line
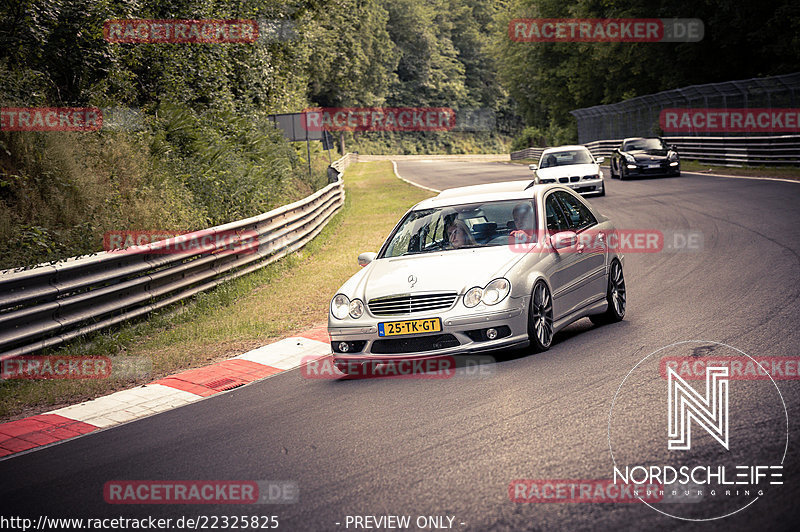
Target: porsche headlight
356 308
629 158
672 156
340 306
473 297
496 291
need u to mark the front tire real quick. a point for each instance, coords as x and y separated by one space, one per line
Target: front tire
540 318
602 191
616 296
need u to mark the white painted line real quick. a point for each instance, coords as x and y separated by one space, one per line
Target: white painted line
747 177
113 409
401 178
287 353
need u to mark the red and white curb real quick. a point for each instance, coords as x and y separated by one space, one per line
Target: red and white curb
163 394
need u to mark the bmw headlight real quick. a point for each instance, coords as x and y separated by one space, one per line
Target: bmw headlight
496 291
473 297
589 177
356 308
340 306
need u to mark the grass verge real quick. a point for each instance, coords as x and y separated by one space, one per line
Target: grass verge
283 298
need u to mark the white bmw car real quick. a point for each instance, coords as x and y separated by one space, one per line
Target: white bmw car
479 268
572 166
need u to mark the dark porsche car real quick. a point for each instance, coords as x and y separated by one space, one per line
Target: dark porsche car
644 156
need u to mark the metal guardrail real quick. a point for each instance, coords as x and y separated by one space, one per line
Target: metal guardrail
640 116
52 304
723 151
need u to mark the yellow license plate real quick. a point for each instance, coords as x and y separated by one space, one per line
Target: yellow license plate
394 328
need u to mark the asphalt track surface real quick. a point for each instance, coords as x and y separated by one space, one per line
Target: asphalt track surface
451 446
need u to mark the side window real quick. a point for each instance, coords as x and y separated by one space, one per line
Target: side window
578 215
556 221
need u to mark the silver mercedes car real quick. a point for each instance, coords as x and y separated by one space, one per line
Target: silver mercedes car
479 268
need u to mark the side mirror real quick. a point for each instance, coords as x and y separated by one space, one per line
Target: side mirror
600 160
564 239
366 258
533 166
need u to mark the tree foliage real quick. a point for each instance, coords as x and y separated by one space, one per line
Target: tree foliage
743 39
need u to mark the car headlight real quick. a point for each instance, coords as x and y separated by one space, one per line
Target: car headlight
340 306
672 156
492 294
356 308
629 158
496 291
473 297
545 181
588 177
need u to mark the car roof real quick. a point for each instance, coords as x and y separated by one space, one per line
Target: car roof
564 148
507 190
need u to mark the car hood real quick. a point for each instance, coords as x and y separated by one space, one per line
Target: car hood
649 155
445 271
555 172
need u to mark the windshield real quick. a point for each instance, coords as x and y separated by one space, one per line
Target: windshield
565 158
473 225
644 144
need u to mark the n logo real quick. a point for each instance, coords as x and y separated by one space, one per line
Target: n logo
685 404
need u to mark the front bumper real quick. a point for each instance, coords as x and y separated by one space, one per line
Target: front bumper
587 186
647 169
458 335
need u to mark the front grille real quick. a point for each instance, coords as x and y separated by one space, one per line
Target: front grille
574 179
563 180
408 304
413 345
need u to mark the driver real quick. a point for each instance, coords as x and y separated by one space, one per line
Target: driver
523 222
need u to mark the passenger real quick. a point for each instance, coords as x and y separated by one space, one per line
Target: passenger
458 234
